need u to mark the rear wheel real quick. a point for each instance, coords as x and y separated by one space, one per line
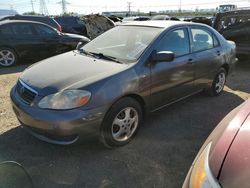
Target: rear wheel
218 83
7 57
121 122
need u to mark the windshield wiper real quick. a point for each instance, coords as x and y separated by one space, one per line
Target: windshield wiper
100 55
85 52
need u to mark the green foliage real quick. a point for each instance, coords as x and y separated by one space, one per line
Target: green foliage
31 13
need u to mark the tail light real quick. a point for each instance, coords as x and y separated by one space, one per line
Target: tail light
59 28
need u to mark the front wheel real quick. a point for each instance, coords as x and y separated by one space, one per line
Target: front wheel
218 83
121 122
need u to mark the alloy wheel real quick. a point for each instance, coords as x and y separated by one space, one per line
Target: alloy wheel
220 82
7 58
125 124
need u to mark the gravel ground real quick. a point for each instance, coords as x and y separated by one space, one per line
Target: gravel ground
159 156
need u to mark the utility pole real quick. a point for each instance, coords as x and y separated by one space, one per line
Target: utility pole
129 8
43 8
180 6
32 5
64 6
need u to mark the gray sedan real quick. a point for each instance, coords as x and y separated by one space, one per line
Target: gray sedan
106 86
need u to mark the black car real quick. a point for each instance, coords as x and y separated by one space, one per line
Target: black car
44 19
235 26
201 19
72 24
33 40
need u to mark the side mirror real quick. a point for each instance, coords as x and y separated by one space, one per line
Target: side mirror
82 43
79 45
163 56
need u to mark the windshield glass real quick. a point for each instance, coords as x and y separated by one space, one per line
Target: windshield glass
125 43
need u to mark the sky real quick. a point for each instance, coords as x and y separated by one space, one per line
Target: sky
98 6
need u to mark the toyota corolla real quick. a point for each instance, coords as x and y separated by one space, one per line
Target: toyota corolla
106 86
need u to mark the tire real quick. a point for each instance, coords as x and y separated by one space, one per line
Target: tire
8 57
121 122
218 83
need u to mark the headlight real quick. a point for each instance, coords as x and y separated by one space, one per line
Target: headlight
66 99
201 175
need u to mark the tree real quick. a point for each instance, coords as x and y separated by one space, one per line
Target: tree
31 13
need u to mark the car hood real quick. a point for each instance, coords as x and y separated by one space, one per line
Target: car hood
68 70
235 171
223 136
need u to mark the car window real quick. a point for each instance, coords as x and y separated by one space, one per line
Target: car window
125 43
202 39
176 41
80 22
6 30
66 20
45 31
216 42
23 29
70 20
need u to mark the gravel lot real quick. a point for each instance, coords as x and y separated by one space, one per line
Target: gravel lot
159 156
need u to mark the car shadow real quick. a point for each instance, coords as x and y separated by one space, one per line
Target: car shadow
238 81
159 156
14 69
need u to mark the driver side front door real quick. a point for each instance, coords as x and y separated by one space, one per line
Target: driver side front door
172 80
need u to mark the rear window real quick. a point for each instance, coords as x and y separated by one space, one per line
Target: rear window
66 20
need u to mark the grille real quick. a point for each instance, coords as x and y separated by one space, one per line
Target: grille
26 93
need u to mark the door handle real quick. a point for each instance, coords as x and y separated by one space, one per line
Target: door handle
190 61
218 53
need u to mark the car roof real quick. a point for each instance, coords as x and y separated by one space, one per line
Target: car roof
20 21
160 23
30 16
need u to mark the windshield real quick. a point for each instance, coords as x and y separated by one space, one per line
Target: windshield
125 43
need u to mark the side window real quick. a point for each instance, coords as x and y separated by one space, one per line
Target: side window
202 39
22 29
176 41
6 30
80 22
216 42
45 31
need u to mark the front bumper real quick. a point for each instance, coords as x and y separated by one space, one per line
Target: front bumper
57 126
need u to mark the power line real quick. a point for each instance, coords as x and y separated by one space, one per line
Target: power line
32 5
129 8
43 8
64 6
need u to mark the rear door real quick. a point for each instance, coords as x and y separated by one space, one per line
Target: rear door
172 80
50 38
207 53
27 42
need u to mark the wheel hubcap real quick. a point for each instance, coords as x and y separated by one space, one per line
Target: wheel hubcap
125 124
221 79
7 58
